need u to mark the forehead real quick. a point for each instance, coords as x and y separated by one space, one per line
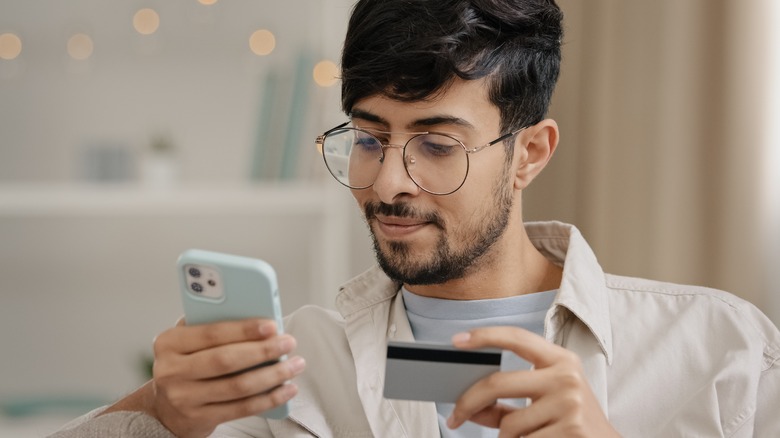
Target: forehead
466 101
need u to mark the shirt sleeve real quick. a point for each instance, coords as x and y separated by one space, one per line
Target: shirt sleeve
123 424
767 420
127 424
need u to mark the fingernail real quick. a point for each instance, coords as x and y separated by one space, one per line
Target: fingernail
267 328
451 422
290 390
461 338
286 344
296 364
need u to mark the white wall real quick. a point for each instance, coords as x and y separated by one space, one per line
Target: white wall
772 160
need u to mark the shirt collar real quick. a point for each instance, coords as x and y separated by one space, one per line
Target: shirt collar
583 290
366 290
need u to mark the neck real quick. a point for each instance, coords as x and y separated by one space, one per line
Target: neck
512 267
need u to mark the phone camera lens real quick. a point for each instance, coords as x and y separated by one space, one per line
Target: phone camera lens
195 272
197 287
212 283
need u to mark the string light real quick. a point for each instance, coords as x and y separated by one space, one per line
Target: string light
80 46
325 73
146 21
10 46
262 42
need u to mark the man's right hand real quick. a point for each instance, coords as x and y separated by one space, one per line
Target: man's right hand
196 384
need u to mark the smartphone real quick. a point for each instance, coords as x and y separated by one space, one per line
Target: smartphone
224 287
435 372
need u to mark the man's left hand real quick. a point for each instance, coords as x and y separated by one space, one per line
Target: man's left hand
562 403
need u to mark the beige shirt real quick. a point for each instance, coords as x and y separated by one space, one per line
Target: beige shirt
662 359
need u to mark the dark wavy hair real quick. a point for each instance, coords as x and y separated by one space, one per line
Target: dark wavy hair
410 50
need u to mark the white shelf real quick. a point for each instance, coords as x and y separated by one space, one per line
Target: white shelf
67 200
88 271
328 206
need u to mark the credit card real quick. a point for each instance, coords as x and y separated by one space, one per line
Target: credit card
435 372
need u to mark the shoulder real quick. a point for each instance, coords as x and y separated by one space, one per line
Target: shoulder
701 311
314 322
312 312
678 297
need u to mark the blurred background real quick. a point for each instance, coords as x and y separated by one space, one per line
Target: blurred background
131 131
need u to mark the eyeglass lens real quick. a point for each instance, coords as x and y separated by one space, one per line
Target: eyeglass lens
436 163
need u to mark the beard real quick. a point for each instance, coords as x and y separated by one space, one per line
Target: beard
453 255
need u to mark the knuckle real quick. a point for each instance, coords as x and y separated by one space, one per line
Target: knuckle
176 399
571 357
269 350
493 381
280 395
283 372
573 429
242 385
219 362
250 328
160 344
162 370
211 336
159 370
191 416
569 379
277 398
571 402
254 405
245 409
507 422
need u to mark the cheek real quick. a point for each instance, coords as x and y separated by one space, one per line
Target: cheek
480 185
477 201
462 209
487 169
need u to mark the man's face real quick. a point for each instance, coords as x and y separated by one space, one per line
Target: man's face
421 238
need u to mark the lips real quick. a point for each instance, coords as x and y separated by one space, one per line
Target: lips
399 221
396 227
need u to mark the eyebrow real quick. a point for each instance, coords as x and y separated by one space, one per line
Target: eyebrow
415 124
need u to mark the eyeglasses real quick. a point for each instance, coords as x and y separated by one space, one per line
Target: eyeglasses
438 163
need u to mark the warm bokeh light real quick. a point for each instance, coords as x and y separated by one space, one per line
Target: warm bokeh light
207 2
80 46
326 73
146 21
10 46
262 42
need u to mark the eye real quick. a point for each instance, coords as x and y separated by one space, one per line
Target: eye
367 142
438 146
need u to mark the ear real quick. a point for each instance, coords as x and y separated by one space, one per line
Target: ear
533 149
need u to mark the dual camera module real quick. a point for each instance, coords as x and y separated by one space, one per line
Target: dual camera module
195 285
203 281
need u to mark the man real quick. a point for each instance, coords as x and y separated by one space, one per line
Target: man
446 103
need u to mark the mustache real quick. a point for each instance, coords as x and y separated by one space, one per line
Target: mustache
401 209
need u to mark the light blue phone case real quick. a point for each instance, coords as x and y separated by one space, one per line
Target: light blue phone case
249 288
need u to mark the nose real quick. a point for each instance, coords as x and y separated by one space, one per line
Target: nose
393 181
